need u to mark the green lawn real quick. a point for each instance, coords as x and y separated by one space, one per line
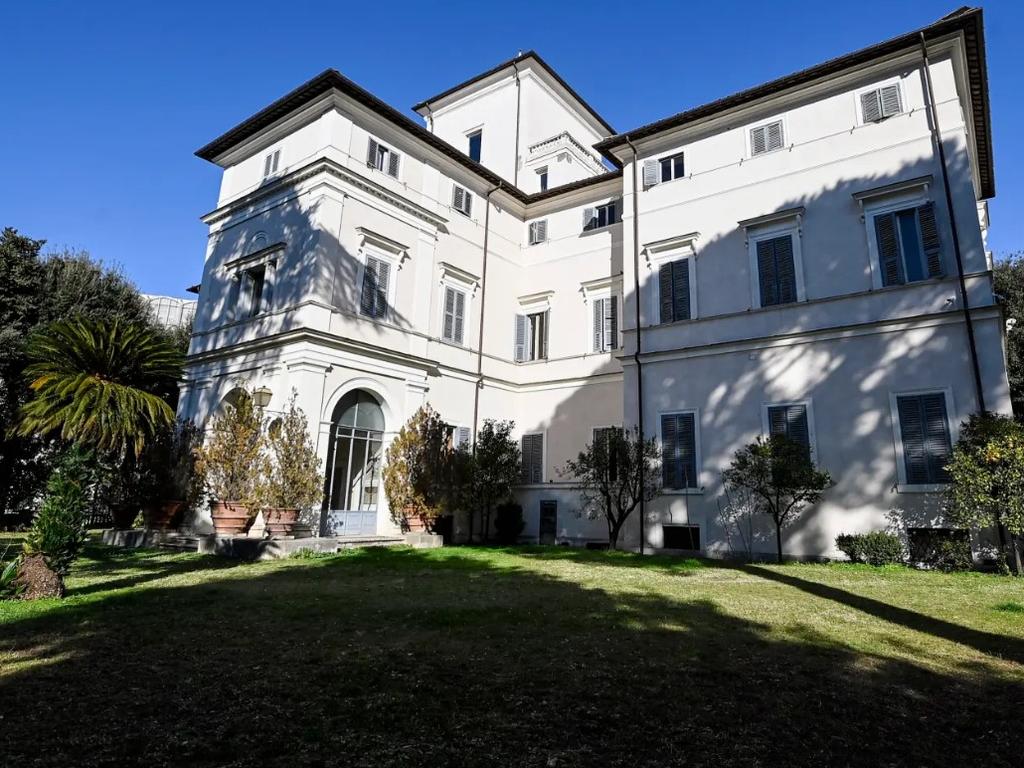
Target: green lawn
533 657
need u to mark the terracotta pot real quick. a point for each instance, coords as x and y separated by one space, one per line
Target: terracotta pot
230 518
411 522
280 521
163 515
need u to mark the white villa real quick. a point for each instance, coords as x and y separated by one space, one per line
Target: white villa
807 255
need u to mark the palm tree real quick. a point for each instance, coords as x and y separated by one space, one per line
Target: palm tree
101 383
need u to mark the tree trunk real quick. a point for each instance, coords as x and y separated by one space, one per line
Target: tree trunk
1008 550
613 536
778 541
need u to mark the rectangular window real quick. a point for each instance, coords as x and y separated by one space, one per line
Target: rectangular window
373 300
790 421
605 328
681 537
461 437
679 450
601 216
880 103
255 280
776 271
672 167
538 231
531 337
270 163
462 200
766 138
924 434
674 291
454 315
476 141
909 248
602 436
542 174
382 158
532 454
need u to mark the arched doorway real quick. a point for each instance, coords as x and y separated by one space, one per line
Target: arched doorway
354 459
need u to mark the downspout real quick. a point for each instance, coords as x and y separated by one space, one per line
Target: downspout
480 335
937 134
430 118
515 165
636 350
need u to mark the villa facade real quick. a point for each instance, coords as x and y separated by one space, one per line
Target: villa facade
797 257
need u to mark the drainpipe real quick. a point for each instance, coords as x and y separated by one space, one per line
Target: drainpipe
937 134
480 336
430 118
515 166
636 351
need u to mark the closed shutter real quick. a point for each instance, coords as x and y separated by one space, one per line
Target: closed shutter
520 338
669 446
791 421
888 249
268 165
785 269
924 432
460 316
589 218
679 450
371 153
598 327
652 173
757 141
681 290
543 352
766 274
687 449
871 108
930 239
665 293
611 323
383 277
889 96
533 459
394 160
367 298
774 139
448 329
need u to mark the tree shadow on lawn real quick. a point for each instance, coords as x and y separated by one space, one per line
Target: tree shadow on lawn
400 657
140 566
682 566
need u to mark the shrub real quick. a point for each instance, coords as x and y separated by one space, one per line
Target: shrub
233 460
945 553
9 587
876 548
508 522
295 480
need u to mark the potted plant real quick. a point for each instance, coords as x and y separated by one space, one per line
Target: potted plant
295 482
234 464
175 482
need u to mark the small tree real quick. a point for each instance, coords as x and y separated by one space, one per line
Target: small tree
987 473
494 471
782 478
233 458
295 479
614 473
417 468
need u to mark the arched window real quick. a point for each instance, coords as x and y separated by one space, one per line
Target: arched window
353 465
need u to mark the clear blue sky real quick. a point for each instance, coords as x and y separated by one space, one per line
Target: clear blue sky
104 103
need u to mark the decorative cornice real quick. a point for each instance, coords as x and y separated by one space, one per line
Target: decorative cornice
565 140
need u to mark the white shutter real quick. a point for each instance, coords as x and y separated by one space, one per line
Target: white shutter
871 109
757 141
519 338
266 165
371 153
774 134
468 203
889 96
589 218
448 327
542 231
459 316
394 161
652 173
598 326
533 233
458 197
462 436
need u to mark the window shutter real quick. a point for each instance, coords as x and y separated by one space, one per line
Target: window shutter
366 298
542 230
543 352
681 289
871 108
669 448
785 269
611 323
533 233
458 197
533 458
276 158
462 436
687 450
589 218
267 164
889 96
383 276
774 139
371 153
460 315
766 273
936 439
598 328
394 160
888 249
930 239
665 292
467 201
448 331
776 420
912 434
520 338
791 421
652 173
757 140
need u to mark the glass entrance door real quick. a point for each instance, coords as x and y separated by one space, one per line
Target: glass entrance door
353 466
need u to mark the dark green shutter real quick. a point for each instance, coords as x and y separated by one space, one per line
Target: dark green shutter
681 289
669 446
924 432
930 239
665 292
888 249
766 275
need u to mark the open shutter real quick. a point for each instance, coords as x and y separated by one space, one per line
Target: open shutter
467 203
665 293
542 230
371 153
912 435
589 218
448 331
458 197
889 96
394 161
930 239
766 274
669 447
785 270
383 277
681 289
871 108
367 291
460 315
545 322
611 323
757 140
652 172
533 233
936 436
267 165
520 338
888 249
598 328
687 450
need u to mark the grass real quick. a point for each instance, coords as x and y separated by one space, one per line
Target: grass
518 657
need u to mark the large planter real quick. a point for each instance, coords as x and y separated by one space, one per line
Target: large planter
230 518
163 515
280 521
